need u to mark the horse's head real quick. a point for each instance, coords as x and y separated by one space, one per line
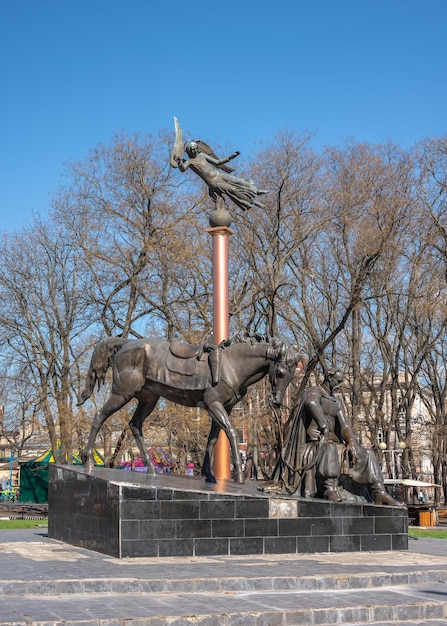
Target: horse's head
286 364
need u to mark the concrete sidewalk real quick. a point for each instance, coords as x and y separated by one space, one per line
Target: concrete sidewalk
43 581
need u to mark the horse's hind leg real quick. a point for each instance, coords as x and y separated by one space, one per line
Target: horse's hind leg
113 404
143 410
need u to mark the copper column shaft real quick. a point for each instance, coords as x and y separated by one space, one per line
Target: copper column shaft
221 327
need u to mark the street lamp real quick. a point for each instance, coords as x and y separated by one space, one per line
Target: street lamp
400 448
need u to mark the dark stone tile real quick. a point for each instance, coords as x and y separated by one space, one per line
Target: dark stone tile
138 493
251 545
327 526
140 509
81 522
164 521
113 491
214 496
399 542
358 525
297 527
91 525
389 525
383 510
94 542
375 542
175 547
135 548
186 495
180 509
346 509
406 522
254 508
211 547
83 501
100 509
309 545
227 528
345 543
157 529
313 508
130 529
280 545
261 527
212 509
164 494
192 528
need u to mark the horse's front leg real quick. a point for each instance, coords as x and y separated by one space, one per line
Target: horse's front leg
221 418
113 404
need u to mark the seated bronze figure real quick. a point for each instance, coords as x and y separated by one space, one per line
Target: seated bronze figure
320 442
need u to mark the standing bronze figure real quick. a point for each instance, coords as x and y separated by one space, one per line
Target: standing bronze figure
214 172
212 377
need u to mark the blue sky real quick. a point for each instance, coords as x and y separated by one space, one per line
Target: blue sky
74 72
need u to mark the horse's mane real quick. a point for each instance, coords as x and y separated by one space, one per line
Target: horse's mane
292 355
257 338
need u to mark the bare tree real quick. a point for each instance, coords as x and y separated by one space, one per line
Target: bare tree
41 318
346 259
267 238
123 211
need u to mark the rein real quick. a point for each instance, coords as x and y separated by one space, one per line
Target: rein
300 471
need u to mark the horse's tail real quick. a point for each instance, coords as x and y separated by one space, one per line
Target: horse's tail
102 359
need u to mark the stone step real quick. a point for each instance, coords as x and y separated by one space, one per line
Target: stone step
424 622
220 584
46 582
399 604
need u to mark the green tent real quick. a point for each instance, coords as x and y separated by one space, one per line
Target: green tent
34 475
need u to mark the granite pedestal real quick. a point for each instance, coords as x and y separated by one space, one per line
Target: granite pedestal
130 514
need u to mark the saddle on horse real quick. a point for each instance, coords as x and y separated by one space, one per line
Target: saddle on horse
193 353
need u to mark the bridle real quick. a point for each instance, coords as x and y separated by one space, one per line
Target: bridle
279 357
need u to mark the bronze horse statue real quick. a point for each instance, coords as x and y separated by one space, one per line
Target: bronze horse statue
215 378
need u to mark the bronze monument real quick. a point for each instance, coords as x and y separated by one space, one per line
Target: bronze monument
212 377
320 442
214 172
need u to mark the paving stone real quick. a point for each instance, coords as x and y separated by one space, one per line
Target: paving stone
43 581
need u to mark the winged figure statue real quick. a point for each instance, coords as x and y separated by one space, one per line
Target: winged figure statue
214 171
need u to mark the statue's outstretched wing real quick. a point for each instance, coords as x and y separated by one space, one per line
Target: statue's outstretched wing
177 150
204 147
